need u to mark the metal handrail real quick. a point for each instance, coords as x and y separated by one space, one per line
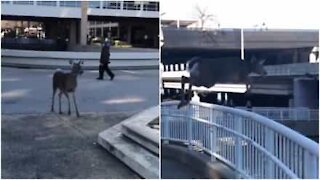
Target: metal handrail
254 145
285 113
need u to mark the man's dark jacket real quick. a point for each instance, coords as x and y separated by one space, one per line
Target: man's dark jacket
105 54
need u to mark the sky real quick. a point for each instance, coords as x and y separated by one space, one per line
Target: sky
281 14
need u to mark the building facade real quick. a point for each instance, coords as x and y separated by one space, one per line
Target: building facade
135 23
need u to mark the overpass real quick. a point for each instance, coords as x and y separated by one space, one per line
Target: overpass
289 81
250 144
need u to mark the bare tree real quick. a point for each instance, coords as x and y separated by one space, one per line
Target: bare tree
204 16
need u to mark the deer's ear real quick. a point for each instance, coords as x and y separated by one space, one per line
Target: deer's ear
70 61
262 61
253 59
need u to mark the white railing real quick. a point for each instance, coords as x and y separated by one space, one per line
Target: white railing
286 114
253 145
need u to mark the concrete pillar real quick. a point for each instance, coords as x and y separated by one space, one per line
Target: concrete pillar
295 56
73 33
102 34
129 33
306 93
84 23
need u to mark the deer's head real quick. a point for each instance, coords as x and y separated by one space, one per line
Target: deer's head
76 67
256 66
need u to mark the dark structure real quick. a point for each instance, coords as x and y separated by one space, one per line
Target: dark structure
292 81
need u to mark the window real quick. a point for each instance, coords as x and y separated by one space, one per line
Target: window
151 6
131 5
94 4
70 3
47 3
5 2
111 5
23 2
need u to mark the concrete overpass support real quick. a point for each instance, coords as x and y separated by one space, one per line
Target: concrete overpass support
73 34
84 23
306 93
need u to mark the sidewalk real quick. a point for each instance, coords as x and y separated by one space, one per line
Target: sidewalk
49 145
121 59
50 63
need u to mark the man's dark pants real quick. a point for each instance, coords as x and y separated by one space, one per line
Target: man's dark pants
105 67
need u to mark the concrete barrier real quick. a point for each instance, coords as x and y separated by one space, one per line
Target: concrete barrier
79 55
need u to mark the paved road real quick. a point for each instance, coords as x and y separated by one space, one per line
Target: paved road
30 91
40 144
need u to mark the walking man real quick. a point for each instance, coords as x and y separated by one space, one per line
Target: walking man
105 60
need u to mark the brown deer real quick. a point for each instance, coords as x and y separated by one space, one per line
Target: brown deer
66 83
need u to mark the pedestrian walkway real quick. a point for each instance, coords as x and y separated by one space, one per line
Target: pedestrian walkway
121 59
50 145
47 63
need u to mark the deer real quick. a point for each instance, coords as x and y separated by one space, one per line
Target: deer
66 82
207 72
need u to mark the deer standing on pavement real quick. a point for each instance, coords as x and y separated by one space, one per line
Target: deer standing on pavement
66 83
207 72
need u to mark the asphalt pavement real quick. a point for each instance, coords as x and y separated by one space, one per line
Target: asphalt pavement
30 91
39 144
48 145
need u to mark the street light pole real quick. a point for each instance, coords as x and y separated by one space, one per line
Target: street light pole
242 44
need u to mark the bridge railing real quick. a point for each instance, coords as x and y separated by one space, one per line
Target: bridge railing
255 146
286 114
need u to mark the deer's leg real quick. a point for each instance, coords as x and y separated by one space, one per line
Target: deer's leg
248 85
66 94
189 93
75 104
52 101
60 94
183 101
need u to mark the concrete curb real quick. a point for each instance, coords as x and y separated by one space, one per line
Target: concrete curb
37 66
142 161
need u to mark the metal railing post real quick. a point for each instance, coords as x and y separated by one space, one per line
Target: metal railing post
270 147
238 148
213 135
189 132
166 129
310 167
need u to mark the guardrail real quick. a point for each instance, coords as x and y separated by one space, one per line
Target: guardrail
255 146
295 69
286 114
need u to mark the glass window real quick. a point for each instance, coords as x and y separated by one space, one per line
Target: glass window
94 4
131 5
111 5
23 2
47 3
70 3
5 2
151 6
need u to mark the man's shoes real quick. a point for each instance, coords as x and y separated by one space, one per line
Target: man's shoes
99 78
111 77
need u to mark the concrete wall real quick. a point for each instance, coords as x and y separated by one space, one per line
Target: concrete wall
306 93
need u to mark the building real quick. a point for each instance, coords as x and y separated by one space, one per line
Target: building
72 23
